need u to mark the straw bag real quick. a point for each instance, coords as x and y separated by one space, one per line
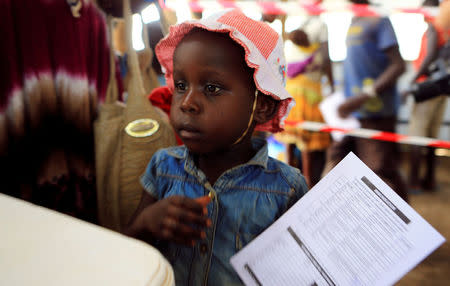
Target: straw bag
126 136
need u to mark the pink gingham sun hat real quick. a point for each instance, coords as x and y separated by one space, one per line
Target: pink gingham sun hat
263 52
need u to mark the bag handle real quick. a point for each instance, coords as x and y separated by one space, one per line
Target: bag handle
135 86
136 82
145 39
165 23
112 91
145 36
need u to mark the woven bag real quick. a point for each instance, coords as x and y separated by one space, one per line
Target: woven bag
126 136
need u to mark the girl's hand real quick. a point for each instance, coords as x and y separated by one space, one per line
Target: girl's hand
178 219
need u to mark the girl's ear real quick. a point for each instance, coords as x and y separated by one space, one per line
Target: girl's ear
266 108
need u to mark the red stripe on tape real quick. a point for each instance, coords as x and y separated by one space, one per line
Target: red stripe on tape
271 8
313 9
227 4
388 136
440 144
380 135
195 7
331 129
276 8
363 10
422 11
292 123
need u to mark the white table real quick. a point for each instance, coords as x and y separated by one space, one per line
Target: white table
39 246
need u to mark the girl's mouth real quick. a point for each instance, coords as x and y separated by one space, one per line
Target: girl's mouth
189 133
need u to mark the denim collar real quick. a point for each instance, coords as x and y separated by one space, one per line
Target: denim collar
260 159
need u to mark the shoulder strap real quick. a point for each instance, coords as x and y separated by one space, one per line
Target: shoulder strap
135 86
112 91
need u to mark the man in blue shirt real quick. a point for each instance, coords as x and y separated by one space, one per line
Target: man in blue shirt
371 70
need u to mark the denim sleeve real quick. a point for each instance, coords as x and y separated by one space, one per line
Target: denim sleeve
299 189
150 177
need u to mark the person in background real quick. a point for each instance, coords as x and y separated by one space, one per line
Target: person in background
218 70
371 70
308 64
426 117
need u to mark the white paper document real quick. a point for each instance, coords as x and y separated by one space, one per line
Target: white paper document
329 107
350 229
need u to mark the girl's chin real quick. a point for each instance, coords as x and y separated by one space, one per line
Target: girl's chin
195 147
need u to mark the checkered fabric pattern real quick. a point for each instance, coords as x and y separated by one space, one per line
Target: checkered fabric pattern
263 52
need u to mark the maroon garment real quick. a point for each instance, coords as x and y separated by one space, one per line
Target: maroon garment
42 41
54 71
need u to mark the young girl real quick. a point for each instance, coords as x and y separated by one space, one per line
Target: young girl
227 75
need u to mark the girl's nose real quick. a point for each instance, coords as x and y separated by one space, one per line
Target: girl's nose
190 102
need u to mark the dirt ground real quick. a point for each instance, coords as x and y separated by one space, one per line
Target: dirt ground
435 208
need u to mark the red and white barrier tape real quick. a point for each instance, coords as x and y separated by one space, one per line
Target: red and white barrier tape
298 8
372 134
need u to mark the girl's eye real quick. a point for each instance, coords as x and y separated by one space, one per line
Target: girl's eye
212 89
180 86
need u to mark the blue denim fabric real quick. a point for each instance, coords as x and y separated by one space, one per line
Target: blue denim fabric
248 199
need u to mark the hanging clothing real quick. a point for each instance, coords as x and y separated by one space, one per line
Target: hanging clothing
54 73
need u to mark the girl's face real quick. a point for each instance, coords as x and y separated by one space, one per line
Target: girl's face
214 93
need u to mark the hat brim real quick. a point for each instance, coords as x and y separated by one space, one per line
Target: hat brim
264 60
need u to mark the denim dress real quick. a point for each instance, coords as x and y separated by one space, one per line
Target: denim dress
246 200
